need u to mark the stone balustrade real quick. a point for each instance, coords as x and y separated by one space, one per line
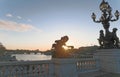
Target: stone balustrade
87 65
25 69
48 68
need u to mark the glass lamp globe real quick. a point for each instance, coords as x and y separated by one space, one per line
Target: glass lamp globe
117 13
93 16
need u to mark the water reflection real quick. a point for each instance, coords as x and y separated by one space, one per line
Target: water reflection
32 57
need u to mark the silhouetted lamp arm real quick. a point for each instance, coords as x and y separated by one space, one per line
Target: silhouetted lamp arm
94 18
117 14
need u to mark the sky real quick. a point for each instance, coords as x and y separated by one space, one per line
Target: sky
36 24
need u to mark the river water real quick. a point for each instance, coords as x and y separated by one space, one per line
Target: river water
32 57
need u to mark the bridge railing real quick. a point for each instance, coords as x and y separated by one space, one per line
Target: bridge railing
87 65
48 68
25 69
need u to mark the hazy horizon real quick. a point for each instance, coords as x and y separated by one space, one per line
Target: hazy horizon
36 24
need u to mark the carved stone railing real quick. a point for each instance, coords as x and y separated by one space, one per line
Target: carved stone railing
26 69
87 65
48 68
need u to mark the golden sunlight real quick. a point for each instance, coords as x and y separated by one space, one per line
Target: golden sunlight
65 47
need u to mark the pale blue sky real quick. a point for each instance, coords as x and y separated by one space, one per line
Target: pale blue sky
36 24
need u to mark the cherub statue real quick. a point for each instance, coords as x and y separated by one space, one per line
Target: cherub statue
115 39
101 39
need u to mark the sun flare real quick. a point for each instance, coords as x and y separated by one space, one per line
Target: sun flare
65 47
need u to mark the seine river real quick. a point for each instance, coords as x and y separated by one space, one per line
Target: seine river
31 57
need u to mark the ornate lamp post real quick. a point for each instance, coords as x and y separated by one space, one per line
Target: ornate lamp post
105 18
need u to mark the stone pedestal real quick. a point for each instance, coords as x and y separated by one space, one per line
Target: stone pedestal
109 60
65 68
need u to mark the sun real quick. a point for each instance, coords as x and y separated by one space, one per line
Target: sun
65 47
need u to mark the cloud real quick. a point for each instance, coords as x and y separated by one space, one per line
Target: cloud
19 17
29 20
9 15
18 27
